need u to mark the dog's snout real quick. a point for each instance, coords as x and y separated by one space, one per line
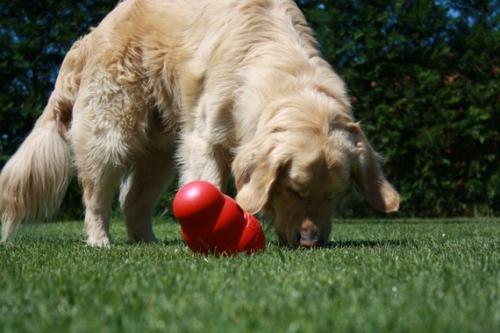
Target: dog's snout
309 243
309 235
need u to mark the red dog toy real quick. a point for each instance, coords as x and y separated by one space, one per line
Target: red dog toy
212 222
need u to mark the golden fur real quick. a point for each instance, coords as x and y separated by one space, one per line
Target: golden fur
219 87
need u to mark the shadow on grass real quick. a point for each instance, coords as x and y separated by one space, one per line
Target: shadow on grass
357 243
171 242
371 243
160 242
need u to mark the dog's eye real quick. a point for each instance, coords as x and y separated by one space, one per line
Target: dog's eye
331 197
297 193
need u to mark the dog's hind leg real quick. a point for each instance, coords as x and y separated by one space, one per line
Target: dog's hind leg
98 197
141 190
100 167
106 138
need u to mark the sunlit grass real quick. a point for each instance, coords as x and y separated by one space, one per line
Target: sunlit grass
376 276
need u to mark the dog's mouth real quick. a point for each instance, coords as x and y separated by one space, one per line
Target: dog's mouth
302 240
309 241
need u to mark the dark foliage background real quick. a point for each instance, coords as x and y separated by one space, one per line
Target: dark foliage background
423 76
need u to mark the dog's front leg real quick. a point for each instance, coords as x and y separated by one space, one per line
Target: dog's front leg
201 160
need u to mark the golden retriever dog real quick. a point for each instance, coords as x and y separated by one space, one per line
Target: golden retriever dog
208 87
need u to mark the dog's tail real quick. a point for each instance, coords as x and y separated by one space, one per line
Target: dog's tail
34 181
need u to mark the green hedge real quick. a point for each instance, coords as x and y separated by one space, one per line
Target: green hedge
423 76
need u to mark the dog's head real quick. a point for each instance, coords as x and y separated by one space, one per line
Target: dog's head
300 165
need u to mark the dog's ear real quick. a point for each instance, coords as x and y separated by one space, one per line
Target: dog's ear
254 193
369 177
254 171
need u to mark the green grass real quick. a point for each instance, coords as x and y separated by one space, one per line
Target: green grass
378 276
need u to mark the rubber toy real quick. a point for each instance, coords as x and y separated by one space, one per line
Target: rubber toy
212 222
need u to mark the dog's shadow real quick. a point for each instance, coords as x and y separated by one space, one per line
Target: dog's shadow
335 244
171 242
357 243
362 243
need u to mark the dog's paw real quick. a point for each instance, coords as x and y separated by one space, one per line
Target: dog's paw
102 242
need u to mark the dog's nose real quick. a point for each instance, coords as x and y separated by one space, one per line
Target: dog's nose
309 243
309 235
309 240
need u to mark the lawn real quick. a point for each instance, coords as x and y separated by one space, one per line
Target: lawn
377 276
